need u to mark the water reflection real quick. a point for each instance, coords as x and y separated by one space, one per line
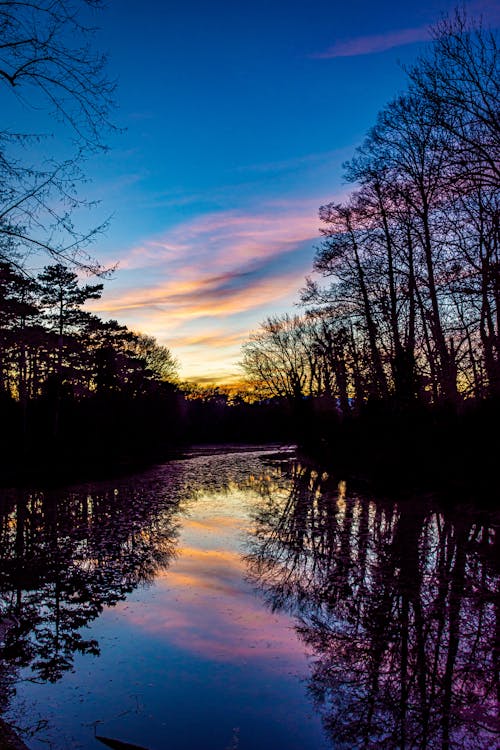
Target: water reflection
63 558
192 659
397 602
400 604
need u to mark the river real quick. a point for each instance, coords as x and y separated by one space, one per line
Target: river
237 599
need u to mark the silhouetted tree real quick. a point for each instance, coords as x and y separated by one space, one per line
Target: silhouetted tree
277 358
409 311
62 299
46 60
158 359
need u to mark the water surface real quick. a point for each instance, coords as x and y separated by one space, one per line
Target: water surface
242 600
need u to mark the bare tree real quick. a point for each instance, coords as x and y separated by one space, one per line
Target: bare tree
344 256
411 306
47 62
461 78
277 358
158 359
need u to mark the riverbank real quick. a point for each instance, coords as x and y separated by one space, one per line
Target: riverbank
418 450
382 447
57 469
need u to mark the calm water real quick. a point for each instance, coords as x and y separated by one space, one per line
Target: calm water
241 600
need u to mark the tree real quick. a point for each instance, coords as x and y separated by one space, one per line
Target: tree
158 359
19 316
413 254
277 358
62 299
345 256
461 78
47 62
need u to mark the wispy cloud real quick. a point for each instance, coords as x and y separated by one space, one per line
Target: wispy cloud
216 338
222 239
373 43
222 250
367 45
294 163
175 302
203 284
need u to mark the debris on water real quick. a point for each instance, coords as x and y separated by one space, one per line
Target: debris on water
118 744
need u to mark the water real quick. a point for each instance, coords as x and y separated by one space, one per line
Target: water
241 600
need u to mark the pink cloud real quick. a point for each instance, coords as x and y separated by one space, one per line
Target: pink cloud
226 237
203 284
367 45
201 298
213 268
489 10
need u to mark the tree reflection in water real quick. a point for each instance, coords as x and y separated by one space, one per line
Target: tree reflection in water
64 556
399 603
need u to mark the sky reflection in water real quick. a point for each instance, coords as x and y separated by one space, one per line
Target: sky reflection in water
194 659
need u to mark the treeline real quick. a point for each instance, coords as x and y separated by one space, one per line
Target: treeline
77 391
50 345
73 387
410 311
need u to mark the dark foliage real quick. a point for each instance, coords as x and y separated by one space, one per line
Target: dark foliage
398 602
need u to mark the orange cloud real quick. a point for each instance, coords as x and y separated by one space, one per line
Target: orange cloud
202 285
202 297
217 338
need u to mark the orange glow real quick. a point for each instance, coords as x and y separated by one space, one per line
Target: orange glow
212 524
176 301
203 285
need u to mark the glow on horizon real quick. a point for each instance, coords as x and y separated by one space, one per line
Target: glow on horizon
243 267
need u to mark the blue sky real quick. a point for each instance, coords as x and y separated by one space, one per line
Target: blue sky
237 118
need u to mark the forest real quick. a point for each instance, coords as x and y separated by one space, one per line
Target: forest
393 356
400 322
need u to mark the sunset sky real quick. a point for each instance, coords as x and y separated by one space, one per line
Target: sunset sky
236 120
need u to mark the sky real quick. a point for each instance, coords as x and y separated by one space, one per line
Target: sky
235 120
